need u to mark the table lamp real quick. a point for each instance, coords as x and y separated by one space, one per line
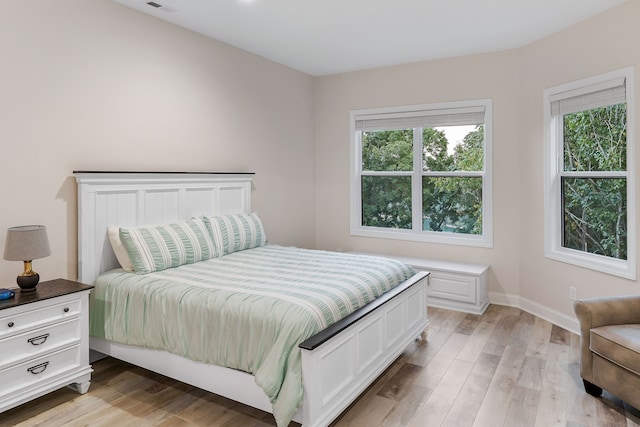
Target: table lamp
27 243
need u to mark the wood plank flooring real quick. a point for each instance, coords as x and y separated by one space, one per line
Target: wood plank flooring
505 368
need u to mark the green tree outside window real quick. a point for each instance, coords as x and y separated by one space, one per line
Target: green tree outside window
595 208
450 203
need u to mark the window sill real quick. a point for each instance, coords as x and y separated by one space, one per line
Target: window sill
424 236
615 267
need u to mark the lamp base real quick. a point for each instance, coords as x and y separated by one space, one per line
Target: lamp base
28 283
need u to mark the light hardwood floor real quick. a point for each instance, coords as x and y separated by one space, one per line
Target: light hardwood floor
505 368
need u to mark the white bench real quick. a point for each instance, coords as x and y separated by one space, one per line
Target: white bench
453 285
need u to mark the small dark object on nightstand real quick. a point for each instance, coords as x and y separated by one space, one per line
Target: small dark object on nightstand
6 294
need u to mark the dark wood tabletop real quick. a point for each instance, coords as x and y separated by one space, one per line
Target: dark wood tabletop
44 290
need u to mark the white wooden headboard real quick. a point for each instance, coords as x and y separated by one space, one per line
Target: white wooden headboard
139 198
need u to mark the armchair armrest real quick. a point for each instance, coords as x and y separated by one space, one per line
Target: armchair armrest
619 310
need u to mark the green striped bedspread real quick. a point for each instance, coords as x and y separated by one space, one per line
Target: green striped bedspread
248 310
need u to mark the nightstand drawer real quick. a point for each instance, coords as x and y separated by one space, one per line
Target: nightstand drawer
32 317
35 342
39 370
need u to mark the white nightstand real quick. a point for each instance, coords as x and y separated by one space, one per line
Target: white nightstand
44 341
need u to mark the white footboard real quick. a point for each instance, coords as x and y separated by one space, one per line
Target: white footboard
335 373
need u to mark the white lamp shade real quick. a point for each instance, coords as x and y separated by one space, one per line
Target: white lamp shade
26 243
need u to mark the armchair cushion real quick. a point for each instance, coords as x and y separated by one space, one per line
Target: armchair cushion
618 344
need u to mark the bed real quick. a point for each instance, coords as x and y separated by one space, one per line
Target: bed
337 363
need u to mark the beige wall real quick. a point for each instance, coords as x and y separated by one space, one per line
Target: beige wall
515 80
492 76
605 43
92 85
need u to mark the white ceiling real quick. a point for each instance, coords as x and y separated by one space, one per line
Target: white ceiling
333 36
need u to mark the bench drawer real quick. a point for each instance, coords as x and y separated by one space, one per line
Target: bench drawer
454 287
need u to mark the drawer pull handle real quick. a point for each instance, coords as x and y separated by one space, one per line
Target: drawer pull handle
66 309
38 340
38 369
10 324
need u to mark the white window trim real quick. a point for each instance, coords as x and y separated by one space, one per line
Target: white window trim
553 248
357 229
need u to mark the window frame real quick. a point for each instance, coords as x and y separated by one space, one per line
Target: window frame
416 233
554 172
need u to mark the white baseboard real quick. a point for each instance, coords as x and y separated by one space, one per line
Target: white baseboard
569 323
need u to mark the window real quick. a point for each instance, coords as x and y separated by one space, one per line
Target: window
423 173
589 185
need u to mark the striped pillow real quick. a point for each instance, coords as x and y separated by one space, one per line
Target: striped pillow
235 232
158 248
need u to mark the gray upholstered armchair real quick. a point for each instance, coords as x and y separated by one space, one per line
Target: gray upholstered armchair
610 346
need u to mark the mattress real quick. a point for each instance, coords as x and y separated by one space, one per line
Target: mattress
248 310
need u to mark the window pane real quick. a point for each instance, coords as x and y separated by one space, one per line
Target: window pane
595 215
453 148
596 140
387 150
452 205
386 201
